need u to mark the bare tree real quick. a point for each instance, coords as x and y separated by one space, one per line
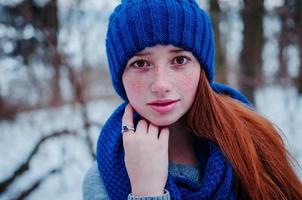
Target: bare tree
42 46
298 24
285 16
251 55
290 34
220 57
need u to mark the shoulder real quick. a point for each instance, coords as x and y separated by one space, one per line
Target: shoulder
93 187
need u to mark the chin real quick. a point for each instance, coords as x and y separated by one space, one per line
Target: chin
162 122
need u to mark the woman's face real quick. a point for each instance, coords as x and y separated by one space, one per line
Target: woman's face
161 83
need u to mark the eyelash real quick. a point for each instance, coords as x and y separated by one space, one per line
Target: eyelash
139 60
182 56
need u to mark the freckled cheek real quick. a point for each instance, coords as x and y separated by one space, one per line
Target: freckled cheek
189 82
134 87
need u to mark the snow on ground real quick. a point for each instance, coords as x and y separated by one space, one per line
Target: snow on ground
18 138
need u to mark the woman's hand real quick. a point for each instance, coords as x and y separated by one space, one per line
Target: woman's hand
146 156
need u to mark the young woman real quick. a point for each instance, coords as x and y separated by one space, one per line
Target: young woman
180 135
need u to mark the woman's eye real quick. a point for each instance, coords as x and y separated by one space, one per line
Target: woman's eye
180 60
139 64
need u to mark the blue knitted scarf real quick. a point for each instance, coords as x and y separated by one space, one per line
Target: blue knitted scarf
217 176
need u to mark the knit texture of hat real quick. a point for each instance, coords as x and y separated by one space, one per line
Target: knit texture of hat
137 24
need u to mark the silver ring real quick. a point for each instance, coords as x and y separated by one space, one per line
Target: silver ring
127 128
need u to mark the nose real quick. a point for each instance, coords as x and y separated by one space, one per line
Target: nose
161 83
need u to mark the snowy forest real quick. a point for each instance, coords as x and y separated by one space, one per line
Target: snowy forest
56 93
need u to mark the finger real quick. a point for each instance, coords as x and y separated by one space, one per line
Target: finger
128 116
153 130
142 127
164 136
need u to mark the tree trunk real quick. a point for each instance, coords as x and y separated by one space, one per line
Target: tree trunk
49 14
220 60
251 55
298 23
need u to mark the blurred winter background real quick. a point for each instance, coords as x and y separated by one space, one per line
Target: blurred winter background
55 90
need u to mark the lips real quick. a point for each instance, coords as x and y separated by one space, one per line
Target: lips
163 106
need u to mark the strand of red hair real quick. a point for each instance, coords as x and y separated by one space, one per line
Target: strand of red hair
249 141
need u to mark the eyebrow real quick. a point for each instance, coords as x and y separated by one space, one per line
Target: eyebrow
176 50
149 53
143 54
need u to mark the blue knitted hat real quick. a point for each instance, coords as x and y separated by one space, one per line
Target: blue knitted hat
137 24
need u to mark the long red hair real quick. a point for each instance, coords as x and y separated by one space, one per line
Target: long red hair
249 141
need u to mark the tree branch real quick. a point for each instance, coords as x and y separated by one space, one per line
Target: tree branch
37 183
25 166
